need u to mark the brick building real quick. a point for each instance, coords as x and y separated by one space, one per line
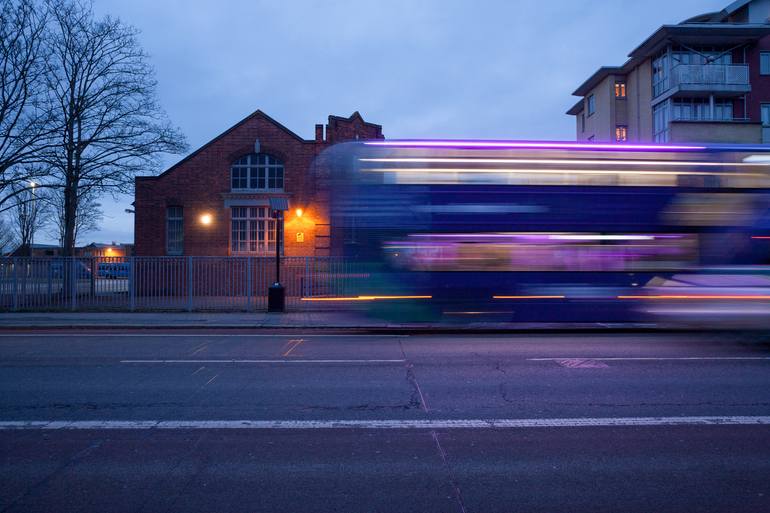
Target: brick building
216 201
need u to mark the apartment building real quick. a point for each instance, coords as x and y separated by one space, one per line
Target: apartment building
706 80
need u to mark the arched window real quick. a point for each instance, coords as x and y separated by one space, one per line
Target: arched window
257 172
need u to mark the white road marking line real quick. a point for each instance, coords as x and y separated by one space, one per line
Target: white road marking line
296 342
387 424
212 379
649 358
262 361
201 348
582 363
189 335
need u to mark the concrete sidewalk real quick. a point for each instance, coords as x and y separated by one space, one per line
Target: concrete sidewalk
285 321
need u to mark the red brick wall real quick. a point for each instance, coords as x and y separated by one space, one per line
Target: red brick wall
201 185
760 84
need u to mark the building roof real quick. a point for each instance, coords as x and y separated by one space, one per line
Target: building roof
597 77
730 9
356 114
256 113
577 108
692 32
701 33
106 245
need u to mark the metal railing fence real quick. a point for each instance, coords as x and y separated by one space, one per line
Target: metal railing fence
703 77
710 75
171 283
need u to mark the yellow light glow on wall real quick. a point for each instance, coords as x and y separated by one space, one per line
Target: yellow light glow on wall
206 219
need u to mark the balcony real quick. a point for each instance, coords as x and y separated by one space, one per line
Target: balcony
705 79
723 131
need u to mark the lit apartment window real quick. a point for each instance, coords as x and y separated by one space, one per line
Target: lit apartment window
764 63
174 230
591 104
621 133
620 89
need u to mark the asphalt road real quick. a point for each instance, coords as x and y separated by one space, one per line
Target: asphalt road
148 421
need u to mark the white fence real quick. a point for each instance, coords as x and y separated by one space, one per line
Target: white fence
171 283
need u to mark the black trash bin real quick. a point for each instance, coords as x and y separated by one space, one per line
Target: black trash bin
276 298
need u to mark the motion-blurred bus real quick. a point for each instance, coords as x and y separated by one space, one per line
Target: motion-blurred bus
548 231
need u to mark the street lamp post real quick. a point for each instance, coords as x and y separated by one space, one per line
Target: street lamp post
276 294
32 219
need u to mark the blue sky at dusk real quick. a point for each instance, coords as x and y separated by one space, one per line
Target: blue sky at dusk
421 68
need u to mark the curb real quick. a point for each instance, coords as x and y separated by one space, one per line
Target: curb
376 329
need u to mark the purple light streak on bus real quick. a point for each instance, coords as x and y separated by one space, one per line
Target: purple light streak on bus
531 145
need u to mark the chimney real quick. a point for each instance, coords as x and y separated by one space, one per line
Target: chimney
319 133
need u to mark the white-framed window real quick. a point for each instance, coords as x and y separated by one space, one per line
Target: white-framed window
764 63
765 112
660 67
174 230
252 230
699 109
660 121
257 172
591 101
621 133
620 89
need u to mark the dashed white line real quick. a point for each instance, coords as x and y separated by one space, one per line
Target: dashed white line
259 361
190 335
387 424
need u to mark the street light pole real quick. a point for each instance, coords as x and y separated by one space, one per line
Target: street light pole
278 234
32 220
276 294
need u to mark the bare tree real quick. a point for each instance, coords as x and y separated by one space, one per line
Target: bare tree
25 117
27 215
88 216
104 92
7 240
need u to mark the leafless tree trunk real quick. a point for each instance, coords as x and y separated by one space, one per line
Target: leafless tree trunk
87 217
104 91
27 216
25 117
7 239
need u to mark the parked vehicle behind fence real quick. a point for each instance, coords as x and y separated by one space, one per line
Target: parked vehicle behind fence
114 270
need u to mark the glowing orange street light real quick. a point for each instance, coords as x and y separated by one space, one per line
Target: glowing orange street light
206 219
299 212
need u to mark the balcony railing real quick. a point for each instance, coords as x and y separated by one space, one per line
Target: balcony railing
710 120
706 78
710 75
